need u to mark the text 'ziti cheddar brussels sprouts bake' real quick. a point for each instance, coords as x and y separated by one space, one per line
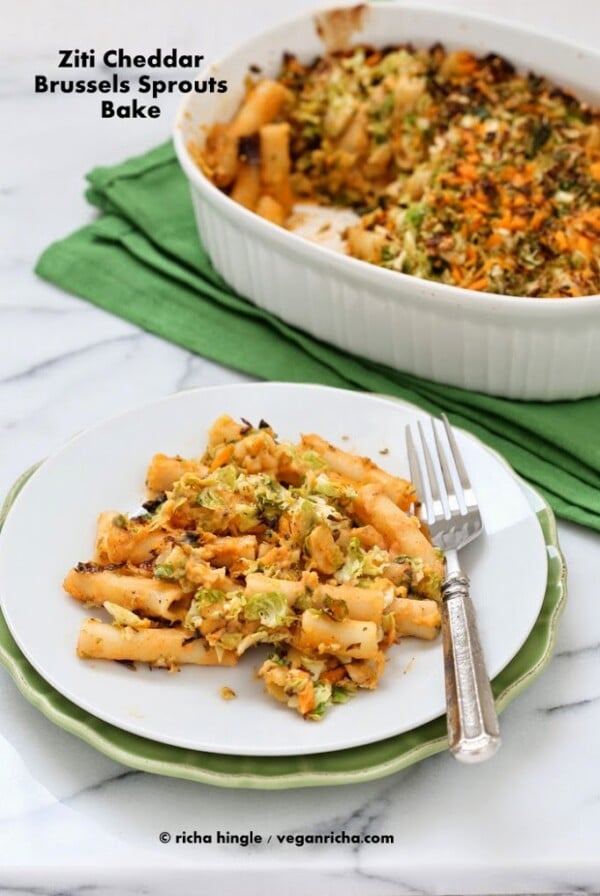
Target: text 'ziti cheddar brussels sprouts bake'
306 548
458 169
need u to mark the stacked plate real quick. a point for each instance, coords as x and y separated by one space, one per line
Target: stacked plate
179 725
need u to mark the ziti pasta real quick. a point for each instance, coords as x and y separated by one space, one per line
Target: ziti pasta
461 170
305 547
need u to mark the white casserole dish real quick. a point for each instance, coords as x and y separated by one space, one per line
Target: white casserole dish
524 348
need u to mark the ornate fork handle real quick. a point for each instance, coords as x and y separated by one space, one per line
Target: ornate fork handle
473 731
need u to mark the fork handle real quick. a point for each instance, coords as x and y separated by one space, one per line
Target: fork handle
473 731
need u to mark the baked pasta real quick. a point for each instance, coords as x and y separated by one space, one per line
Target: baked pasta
461 170
306 548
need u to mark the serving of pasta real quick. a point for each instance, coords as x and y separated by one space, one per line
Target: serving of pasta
306 548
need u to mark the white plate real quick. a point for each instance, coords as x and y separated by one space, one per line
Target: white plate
51 527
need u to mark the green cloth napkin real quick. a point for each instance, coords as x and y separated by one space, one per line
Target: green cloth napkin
141 260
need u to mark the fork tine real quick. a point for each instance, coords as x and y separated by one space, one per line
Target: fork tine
453 505
415 469
431 472
460 467
469 495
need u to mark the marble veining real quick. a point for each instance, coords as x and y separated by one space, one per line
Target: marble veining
42 367
567 707
74 822
578 651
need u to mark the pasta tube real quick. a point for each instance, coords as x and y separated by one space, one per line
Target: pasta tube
116 543
260 107
361 469
346 638
221 154
418 618
275 163
137 593
401 531
365 244
229 549
257 583
403 535
158 646
355 139
164 472
246 188
364 604
271 210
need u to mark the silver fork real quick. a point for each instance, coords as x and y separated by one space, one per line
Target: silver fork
453 518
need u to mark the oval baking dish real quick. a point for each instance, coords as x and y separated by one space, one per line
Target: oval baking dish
524 348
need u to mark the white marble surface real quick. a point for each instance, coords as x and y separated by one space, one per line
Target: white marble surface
72 820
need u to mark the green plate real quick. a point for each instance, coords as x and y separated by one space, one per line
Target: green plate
351 766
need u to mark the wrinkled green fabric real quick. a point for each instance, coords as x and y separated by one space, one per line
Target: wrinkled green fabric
141 259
